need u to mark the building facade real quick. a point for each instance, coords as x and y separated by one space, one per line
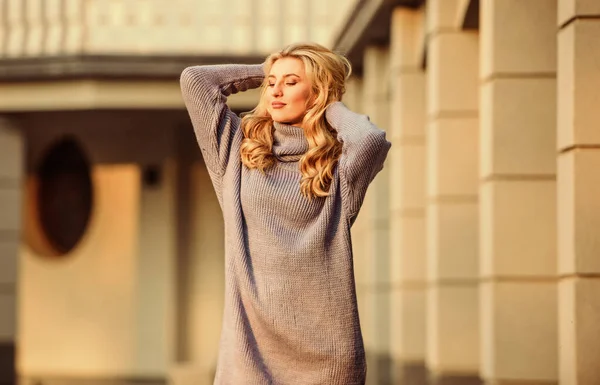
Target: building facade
476 245
475 250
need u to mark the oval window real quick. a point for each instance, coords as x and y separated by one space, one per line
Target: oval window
64 196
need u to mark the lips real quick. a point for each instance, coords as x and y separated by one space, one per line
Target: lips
277 105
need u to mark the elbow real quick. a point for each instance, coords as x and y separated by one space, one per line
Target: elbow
378 141
373 145
193 83
190 76
379 146
187 79
186 75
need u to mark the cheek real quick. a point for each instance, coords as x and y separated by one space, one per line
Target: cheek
301 98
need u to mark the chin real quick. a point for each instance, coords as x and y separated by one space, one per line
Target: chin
286 120
280 118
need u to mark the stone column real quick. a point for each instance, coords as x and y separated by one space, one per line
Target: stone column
11 170
578 180
353 100
518 192
155 272
407 200
356 99
375 222
452 197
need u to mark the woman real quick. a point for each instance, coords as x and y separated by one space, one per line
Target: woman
290 178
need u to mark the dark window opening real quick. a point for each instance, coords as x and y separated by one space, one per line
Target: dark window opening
64 195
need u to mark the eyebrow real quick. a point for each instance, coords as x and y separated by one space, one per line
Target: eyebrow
285 76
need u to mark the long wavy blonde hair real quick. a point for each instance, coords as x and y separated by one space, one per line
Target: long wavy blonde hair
327 72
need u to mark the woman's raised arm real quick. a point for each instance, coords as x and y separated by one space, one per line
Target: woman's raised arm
364 149
205 90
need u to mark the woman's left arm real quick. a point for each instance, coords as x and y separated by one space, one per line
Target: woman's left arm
364 149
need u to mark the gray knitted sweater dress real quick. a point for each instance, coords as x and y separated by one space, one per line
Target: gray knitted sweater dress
290 302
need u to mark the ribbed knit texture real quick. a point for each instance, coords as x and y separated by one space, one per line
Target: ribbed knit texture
290 301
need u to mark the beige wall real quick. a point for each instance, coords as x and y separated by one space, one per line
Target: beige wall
88 301
108 306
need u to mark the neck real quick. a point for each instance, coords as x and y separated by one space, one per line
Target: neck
289 142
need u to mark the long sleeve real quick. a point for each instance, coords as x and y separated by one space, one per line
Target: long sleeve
205 90
364 150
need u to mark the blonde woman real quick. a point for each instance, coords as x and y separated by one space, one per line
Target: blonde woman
290 178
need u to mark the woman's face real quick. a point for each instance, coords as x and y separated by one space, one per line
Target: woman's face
288 91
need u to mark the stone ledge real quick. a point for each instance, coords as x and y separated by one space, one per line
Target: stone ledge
108 66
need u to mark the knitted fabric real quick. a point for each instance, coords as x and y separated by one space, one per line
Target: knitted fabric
290 302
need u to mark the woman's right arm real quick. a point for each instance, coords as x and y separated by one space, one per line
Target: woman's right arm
205 90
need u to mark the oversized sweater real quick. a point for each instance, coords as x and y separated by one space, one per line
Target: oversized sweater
290 302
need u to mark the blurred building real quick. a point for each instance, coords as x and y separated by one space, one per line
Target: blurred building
476 250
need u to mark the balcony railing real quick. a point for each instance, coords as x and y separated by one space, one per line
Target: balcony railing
50 28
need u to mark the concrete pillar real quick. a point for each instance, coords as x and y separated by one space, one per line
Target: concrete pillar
155 273
452 197
11 170
578 182
407 197
353 100
376 227
518 192
201 277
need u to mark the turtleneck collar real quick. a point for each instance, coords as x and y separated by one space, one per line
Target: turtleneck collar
289 142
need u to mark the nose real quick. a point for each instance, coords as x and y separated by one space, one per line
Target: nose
276 90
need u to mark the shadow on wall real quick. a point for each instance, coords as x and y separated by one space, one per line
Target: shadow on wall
380 369
79 381
383 371
411 373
